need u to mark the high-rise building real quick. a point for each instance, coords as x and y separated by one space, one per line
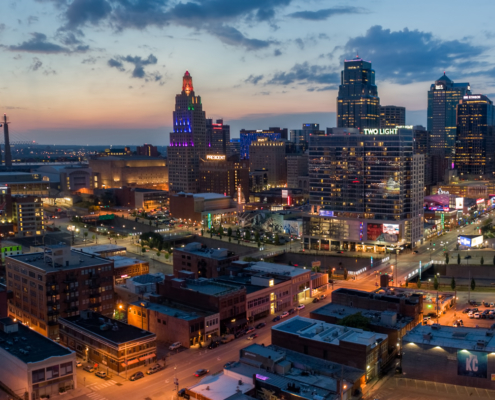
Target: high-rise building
392 116
234 147
147 150
475 145
422 146
358 104
217 136
443 97
297 167
27 212
300 137
188 140
362 188
248 137
270 156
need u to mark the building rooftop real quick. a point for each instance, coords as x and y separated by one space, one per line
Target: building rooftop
223 385
276 269
411 297
101 248
381 318
110 330
461 338
203 251
26 344
324 332
121 261
244 281
148 278
77 260
173 310
208 286
210 196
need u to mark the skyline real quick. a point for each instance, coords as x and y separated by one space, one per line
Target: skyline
99 71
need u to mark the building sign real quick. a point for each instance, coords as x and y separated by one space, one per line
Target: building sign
405 126
387 131
464 241
439 87
479 201
374 231
215 157
326 213
361 231
285 194
391 232
315 264
440 191
442 219
472 97
472 363
459 203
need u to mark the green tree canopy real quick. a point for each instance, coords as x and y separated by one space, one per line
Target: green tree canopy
435 283
473 284
452 284
355 321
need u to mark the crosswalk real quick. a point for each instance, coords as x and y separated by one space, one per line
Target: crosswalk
104 385
96 396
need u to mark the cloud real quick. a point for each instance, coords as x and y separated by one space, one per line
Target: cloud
68 38
14 108
277 52
39 44
2 27
231 36
326 13
36 65
81 12
90 60
308 74
412 56
32 19
139 64
254 79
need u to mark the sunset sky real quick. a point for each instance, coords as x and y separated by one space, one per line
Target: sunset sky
107 71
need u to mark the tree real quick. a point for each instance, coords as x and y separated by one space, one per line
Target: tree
446 258
257 237
143 250
158 254
473 284
357 320
93 237
459 259
220 230
277 239
418 283
452 284
482 261
345 274
407 283
329 273
85 235
166 256
248 235
202 231
230 239
435 283
229 232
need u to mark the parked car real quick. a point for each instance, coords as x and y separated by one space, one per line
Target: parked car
292 311
252 336
470 314
249 329
277 318
240 333
229 364
175 346
316 300
477 315
201 372
301 307
260 325
323 297
284 314
415 251
467 257
154 368
101 374
466 310
227 338
89 368
136 376
213 345
78 364
181 392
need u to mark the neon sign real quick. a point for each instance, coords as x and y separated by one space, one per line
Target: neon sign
386 131
215 157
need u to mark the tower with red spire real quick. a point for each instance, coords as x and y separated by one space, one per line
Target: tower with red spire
187 141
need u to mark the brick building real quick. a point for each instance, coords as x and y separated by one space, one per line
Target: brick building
141 198
27 215
58 282
4 296
172 322
107 342
147 150
229 301
202 261
349 346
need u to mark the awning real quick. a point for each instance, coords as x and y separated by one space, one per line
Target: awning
130 362
147 357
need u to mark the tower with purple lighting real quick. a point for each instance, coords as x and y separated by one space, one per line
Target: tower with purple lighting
187 141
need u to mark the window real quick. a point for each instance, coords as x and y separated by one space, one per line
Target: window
38 375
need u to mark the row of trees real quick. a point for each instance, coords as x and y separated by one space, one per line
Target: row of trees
154 241
436 284
482 260
257 237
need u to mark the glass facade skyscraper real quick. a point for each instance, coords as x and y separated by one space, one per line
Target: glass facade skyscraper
443 97
475 145
251 136
358 104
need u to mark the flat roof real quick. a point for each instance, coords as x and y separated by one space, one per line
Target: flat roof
324 332
210 287
223 385
77 260
375 317
148 278
211 196
28 345
176 311
278 269
460 338
411 295
101 248
241 281
121 261
197 248
94 321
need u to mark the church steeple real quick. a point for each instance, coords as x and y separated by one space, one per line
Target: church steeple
187 85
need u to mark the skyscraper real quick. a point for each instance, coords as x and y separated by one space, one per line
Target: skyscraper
392 116
475 145
188 140
250 136
358 104
443 97
217 136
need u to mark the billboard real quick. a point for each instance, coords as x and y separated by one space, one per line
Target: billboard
285 193
392 229
472 363
464 241
374 231
326 213
470 241
459 203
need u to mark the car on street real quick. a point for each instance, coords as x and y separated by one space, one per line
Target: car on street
323 297
201 372
470 314
89 368
277 318
78 364
154 368
291 311
101 374
252 336
229 364
340 252
260 325
175 346
240 333
477 315
301 307
492 304
214 344
136 376
284 314
316 300
467 257
250 329
415 251
181 392
466 310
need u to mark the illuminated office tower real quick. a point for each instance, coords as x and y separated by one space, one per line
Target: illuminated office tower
443 97
188 142
475 145
358 104
392 116
217 137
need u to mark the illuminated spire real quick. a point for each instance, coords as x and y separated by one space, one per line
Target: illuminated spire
187 85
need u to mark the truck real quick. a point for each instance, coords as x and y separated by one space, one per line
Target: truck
227 338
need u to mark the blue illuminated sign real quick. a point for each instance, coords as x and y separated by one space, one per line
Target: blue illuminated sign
326 213
465 241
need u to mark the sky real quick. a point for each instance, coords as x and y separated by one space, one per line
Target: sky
103 72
